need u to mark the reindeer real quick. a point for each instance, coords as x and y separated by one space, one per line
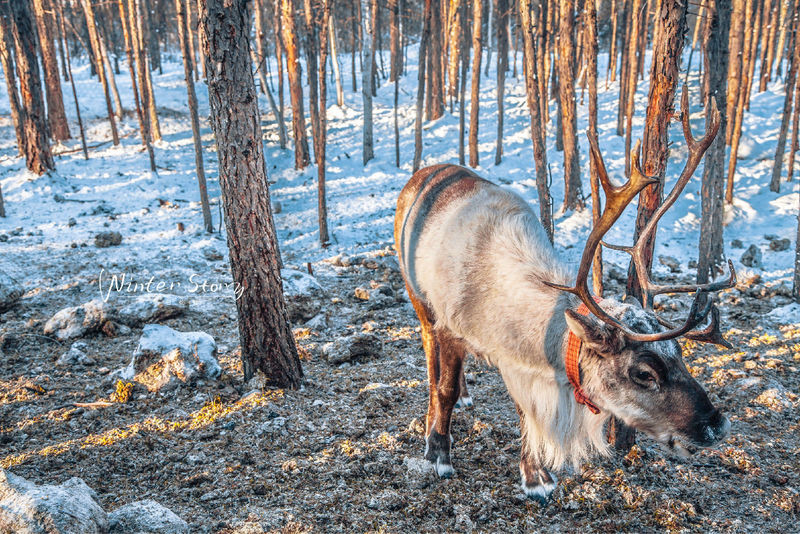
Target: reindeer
484 279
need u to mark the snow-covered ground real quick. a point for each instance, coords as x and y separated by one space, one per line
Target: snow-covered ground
147 207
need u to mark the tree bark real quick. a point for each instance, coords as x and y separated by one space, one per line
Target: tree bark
793 145
711 250
367 73
632 78
736 59
623 69
293 68
88 11
455 49
421 68
436 72
537 137
68 67
143 59
335 61
279 47
502 67
573 196
187 51
144 126
394 70
38 157
474 101
112 81
590 24
56 116
266 337
7 63
462 90
664 74
791 76
738 109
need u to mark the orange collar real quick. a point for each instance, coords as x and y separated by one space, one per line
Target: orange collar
571 364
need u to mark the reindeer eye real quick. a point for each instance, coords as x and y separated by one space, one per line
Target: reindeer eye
642 378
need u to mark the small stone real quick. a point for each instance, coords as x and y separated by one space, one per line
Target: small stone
146 516
3 238
10 292
77 321
196 459
737 243
71 222
752 257
779 245
303 294
387 500
353 347
361 293
770 237
211 254
276 207
419 472
152 308
670 263
107 239
76 355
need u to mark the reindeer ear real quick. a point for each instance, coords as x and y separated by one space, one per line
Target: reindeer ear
595 335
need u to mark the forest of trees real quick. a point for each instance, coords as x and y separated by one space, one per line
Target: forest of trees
553 44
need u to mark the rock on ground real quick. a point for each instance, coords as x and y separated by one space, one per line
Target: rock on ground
152 308
303 294
752 257
77 321
166 357
69 508
146 516
76 355
107 239
419 472
10 292
353 347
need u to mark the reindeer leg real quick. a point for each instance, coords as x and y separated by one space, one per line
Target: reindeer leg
464 398
451 352
537 482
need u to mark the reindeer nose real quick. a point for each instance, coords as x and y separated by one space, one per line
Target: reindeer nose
718 427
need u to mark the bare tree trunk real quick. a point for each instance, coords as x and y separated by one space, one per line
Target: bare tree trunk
474 102
187 51
368 8
633 65
455 49
489 13
421 64
736 60
264 331
61 38
149 36
88 11
435 108
590 24
143 60
394 70
68 67
796 284
533 96
754 35
190 37
793 146
711 250
573 196
462 91
791 76
335 61
7 62
293 68
664 75
787 15
623 70
112 82
738 109
144 126
279 48
38 157
56 116
502 67
260 59
612 52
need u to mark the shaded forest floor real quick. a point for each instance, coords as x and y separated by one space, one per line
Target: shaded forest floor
332 457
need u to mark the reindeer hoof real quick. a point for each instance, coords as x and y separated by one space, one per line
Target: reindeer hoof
464 402
444 470
437 452
542 490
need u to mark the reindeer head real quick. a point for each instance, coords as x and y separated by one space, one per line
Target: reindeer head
631 364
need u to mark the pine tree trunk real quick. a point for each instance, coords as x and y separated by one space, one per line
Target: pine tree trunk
735 63
260 59
368 9
533 96
462 90
573 196
623 69
756 27
590 24
322 203
394 70
421 68
190 36
61 38
540 37
144 126
738 109
112 81
7 63
502 67
612 52
88 11
187 51
791 76
489 13
632 78
796 284
293 68
266 338
474 101
38 157
766 27
279 47
435 108
56 116
150 36
711 250
793 146
455 49
787 15
68 67
335 62
664 75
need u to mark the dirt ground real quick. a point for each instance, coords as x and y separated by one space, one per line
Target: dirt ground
332 456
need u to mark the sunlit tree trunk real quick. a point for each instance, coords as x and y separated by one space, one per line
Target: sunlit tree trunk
266 338
88 11
7 63
474 103
293 68
502 67
573 196
56 116
368 9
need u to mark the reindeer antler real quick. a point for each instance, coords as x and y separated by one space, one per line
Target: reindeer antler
617 199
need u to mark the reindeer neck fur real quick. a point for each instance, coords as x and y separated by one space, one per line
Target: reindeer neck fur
507 315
